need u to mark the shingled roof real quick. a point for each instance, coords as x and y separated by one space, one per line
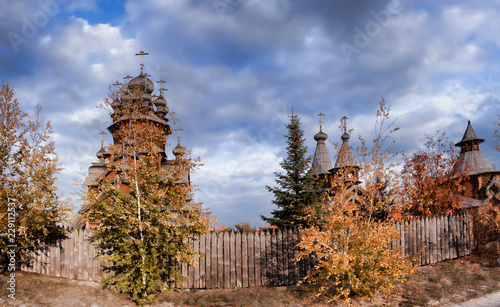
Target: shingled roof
473 162
345 157
321 161
469 136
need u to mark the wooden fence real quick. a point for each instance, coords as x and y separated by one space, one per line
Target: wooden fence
233 259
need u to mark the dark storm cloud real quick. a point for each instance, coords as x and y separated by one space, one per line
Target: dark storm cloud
234 70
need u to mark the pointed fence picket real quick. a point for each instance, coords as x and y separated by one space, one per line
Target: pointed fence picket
253 259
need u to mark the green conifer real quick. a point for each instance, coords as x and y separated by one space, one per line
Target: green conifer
297 195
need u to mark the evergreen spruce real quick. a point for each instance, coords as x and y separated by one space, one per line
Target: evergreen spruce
298 195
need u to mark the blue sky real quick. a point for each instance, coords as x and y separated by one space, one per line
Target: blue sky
235 68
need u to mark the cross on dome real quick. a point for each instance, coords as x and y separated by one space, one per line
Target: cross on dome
128 77
102 133
116 84
142 54
320 120
343 124
179 134
161 89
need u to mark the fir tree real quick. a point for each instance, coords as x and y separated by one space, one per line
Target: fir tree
298 195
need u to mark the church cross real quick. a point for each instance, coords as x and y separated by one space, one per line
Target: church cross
320 120
102 133
142 54
146 77
179 134
116 88
162 91
161 86
128 77
343 124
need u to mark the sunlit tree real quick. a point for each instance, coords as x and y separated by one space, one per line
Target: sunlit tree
350 249
143 209
32 215
297 195
432 183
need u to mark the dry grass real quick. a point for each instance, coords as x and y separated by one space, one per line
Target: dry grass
440 284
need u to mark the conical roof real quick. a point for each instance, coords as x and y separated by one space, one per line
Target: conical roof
345 157
469 136
321 161
472 161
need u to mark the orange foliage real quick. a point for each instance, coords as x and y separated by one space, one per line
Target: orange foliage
431 181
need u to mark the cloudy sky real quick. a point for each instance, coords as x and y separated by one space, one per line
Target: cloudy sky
236 68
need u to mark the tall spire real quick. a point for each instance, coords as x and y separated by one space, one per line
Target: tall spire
321 161
472 160
345 156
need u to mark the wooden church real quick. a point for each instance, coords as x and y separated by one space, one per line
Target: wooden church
137 109
482 177
345 170
482 187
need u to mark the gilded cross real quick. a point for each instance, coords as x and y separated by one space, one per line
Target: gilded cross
102 133
343 124
179 134
142 54
320 120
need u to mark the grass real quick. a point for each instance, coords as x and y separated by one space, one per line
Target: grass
440 284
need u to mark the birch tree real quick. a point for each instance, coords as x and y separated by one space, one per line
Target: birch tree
32 215
144 212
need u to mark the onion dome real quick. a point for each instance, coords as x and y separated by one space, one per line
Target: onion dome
161 105
126 98
345 137
116 104
320 136
178 151
160 101
101 153
141 82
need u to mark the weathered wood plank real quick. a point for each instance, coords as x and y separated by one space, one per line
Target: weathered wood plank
226 266
434 240
208 261
418 235
251 260
280 258
203 261
263 257
446 238
258 277
232 247
244 259
239 279
214 261
220 261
